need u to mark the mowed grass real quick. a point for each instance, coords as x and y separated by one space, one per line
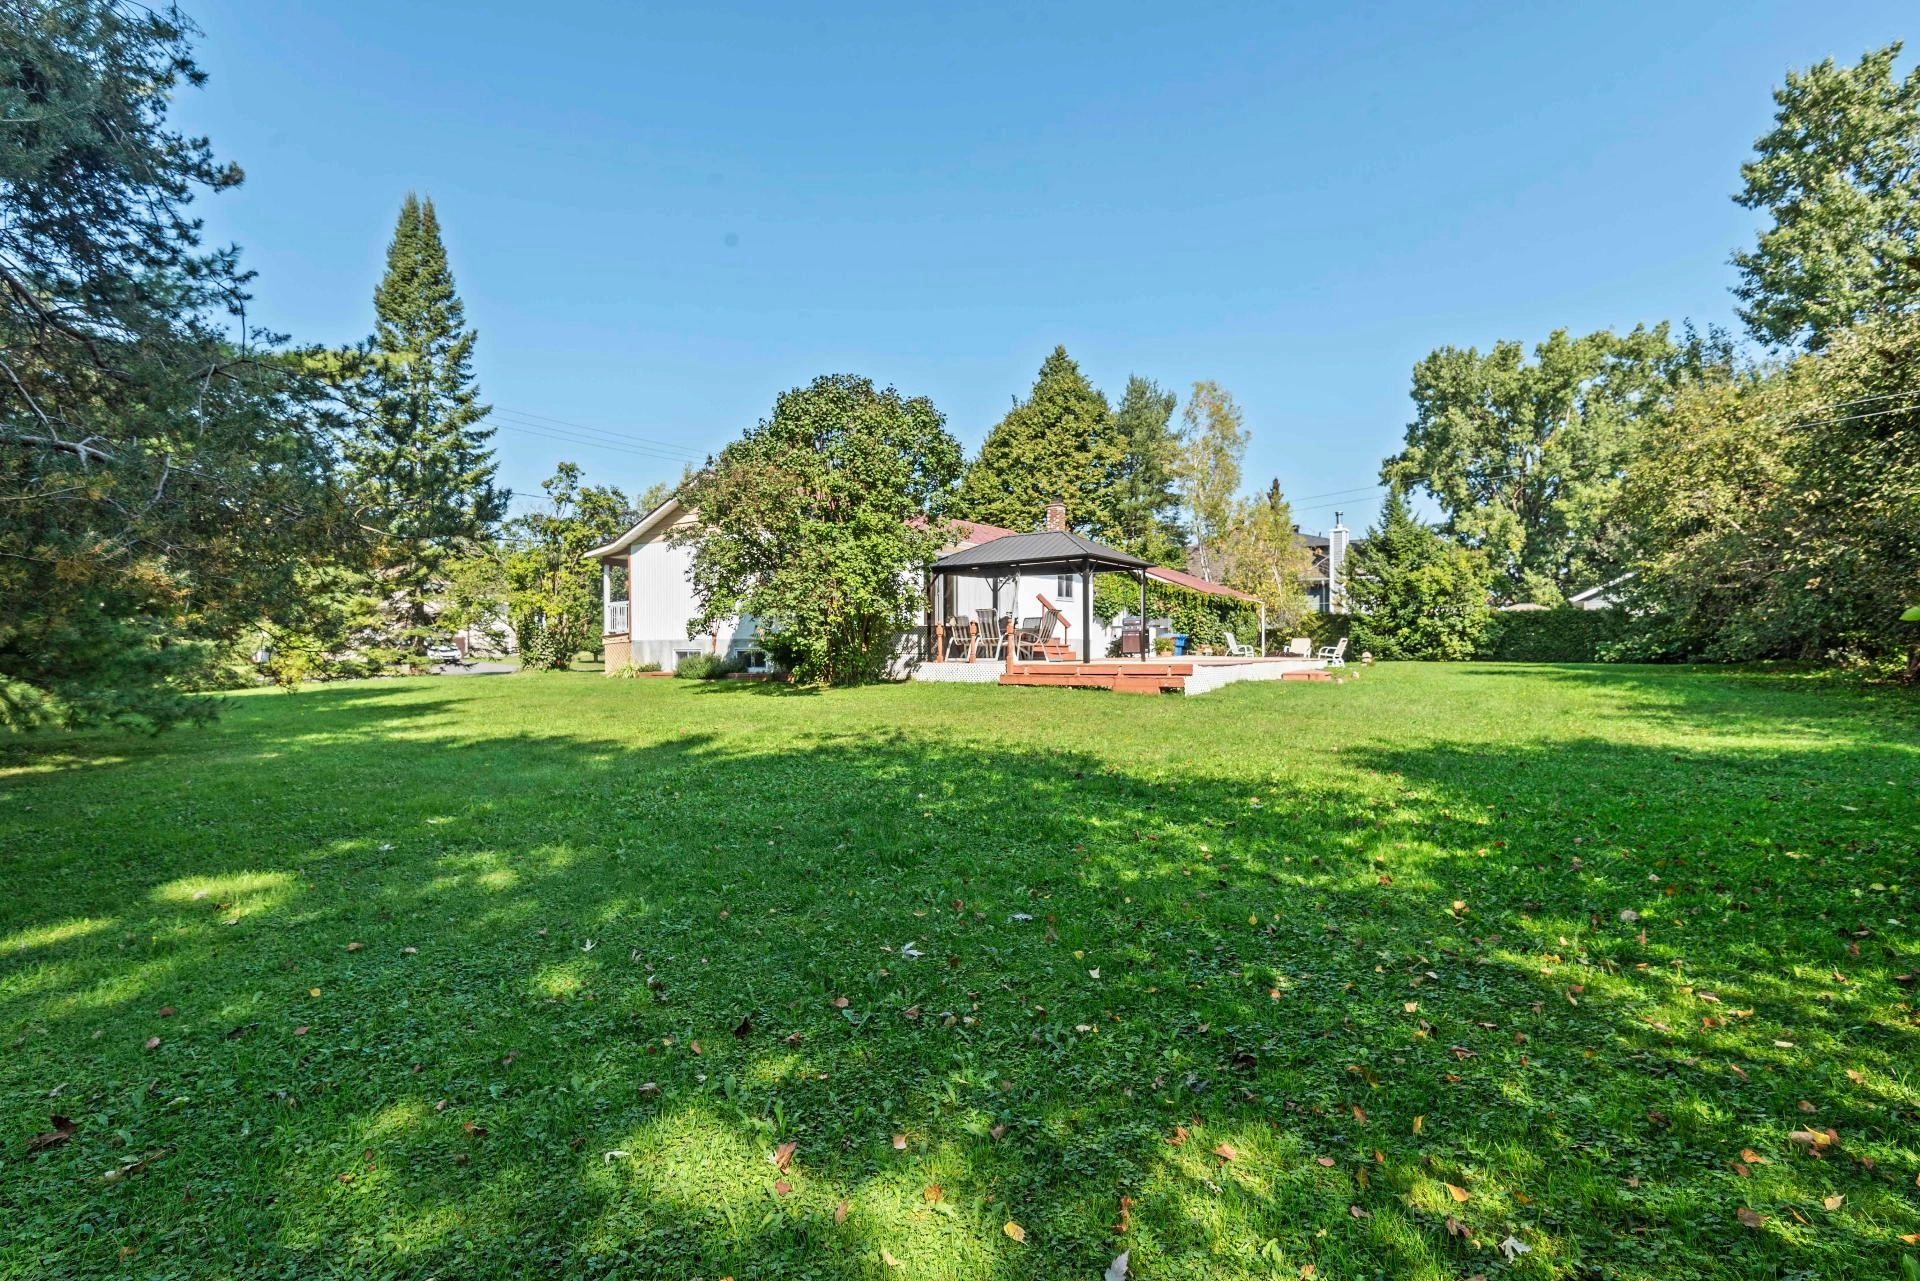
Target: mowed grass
533 976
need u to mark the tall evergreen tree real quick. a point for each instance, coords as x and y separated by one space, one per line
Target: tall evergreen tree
1057 444
1415 594
162 473
422 472
1146 501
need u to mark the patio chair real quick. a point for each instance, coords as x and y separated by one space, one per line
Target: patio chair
1300 647
1031 640
956 637
992 636
1236 650
1334 655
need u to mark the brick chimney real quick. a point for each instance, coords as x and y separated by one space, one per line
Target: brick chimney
1057 516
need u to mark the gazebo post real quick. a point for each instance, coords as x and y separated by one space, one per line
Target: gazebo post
1263 629
936 630
1146 642
1086 615
1012 618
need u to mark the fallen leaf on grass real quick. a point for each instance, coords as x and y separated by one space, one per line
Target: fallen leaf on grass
1015 1231
899 1143
153 1043
1419 1123
781 1187
1226 1152
1358 1213
1457 1192
648 1090
1359 1114
355 947
1326 1161
1178 1136
167 1011
997 1133
1117 1270
1753 1158
783 1156
931 1194
1752 1218
1811 1139
840 1213
1308 1270
301 1030
1834 1202
63 1129
887 1258
1513 1248
134 1167
476 1131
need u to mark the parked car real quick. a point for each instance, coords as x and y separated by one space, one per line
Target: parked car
445 654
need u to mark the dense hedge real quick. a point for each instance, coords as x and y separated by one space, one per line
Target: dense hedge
1207 619
1563 635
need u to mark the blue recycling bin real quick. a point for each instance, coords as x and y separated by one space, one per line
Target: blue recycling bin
1179 642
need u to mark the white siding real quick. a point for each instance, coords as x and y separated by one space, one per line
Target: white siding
660 595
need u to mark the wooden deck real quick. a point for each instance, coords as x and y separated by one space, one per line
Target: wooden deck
1159 676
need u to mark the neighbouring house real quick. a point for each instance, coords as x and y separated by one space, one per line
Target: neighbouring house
648 596
1326 578
1605 596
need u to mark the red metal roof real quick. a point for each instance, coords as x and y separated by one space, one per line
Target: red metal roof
1180 578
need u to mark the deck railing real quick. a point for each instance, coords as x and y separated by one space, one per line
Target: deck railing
616 621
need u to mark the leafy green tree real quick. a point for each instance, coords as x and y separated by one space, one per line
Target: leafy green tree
422 474
817 522
1262 557
1414 593
553 592
1526 458
1146 495
162 471
1059 444
1776 512
1839 177
1212 443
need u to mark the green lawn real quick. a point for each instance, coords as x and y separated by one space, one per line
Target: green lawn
531 975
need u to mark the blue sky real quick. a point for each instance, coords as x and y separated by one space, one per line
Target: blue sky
661 216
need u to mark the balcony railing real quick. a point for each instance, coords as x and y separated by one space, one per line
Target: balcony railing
616 623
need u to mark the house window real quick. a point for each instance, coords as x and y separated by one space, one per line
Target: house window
1063 586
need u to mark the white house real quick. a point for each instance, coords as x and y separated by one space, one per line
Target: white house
648 594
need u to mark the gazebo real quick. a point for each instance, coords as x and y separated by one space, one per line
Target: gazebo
1052 551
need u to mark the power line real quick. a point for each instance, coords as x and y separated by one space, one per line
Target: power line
1337 493
638 451
624 436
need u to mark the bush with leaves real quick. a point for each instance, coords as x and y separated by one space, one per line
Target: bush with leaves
819 522
1203 617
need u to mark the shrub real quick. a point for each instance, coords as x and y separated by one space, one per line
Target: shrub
709 667
1562 635
636 669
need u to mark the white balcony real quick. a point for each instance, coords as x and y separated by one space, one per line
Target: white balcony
616 618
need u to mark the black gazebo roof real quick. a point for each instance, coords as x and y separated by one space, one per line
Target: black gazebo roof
1050 551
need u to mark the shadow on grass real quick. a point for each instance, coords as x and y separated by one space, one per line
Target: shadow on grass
447 1002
